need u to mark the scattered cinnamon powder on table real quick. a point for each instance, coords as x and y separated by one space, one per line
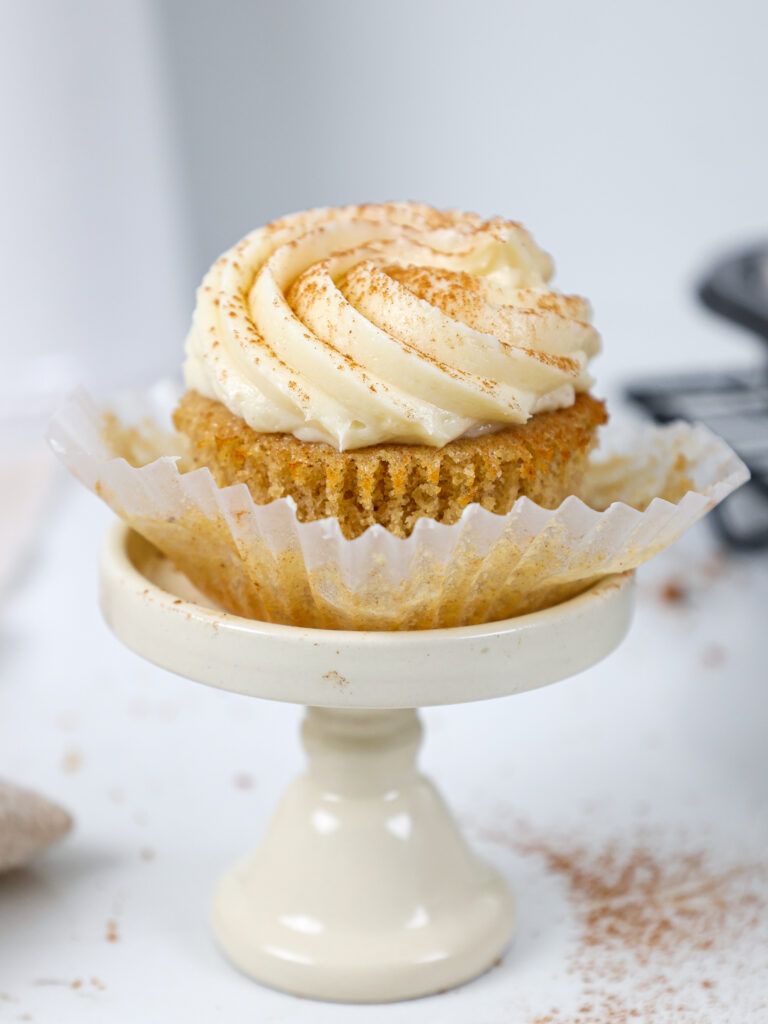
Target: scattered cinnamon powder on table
674 592
656 930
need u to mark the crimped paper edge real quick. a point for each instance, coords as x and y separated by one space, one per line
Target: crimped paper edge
582 543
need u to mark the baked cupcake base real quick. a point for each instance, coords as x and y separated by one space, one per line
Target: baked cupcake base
645 488
395 485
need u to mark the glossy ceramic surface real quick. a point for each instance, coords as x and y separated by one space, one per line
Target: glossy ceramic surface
157 612
362 888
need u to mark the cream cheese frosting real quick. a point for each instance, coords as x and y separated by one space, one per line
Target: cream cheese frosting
393 322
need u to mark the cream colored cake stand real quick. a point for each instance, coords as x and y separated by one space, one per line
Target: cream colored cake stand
363 888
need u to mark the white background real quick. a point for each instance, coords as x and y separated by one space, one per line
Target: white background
142 138
139 139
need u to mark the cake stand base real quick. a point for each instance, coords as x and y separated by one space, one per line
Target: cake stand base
363 888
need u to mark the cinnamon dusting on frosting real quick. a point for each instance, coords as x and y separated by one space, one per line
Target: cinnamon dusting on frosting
400 322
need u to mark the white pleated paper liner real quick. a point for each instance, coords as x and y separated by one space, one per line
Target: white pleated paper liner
645 487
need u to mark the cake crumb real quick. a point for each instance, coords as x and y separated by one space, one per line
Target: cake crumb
112 932
674 592
72 761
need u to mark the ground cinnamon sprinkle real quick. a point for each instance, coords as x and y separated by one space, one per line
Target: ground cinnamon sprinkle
673 592
654 931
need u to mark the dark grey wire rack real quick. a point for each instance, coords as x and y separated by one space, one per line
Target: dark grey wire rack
732 404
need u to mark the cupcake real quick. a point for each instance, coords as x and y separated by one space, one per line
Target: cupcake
387 425
383 363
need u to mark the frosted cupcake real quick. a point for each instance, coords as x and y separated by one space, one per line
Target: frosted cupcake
383 363
387 425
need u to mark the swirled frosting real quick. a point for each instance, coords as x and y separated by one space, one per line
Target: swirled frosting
387 323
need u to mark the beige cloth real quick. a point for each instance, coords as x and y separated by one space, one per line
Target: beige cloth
28 824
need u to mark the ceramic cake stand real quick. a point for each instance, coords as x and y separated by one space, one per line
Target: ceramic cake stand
363 888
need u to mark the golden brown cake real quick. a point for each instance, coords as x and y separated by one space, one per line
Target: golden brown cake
396 484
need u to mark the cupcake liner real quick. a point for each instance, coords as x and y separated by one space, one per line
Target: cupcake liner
644 487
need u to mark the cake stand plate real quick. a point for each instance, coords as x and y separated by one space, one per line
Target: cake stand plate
363 888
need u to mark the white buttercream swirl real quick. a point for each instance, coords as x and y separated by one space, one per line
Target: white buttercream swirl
387 323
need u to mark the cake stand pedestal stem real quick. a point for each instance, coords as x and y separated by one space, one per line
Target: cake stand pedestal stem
363 888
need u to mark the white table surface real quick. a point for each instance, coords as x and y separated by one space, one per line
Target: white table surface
170 781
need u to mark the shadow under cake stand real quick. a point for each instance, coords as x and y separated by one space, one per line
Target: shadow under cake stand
362 888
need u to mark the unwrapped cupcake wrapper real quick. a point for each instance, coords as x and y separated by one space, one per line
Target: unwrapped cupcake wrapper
645 486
